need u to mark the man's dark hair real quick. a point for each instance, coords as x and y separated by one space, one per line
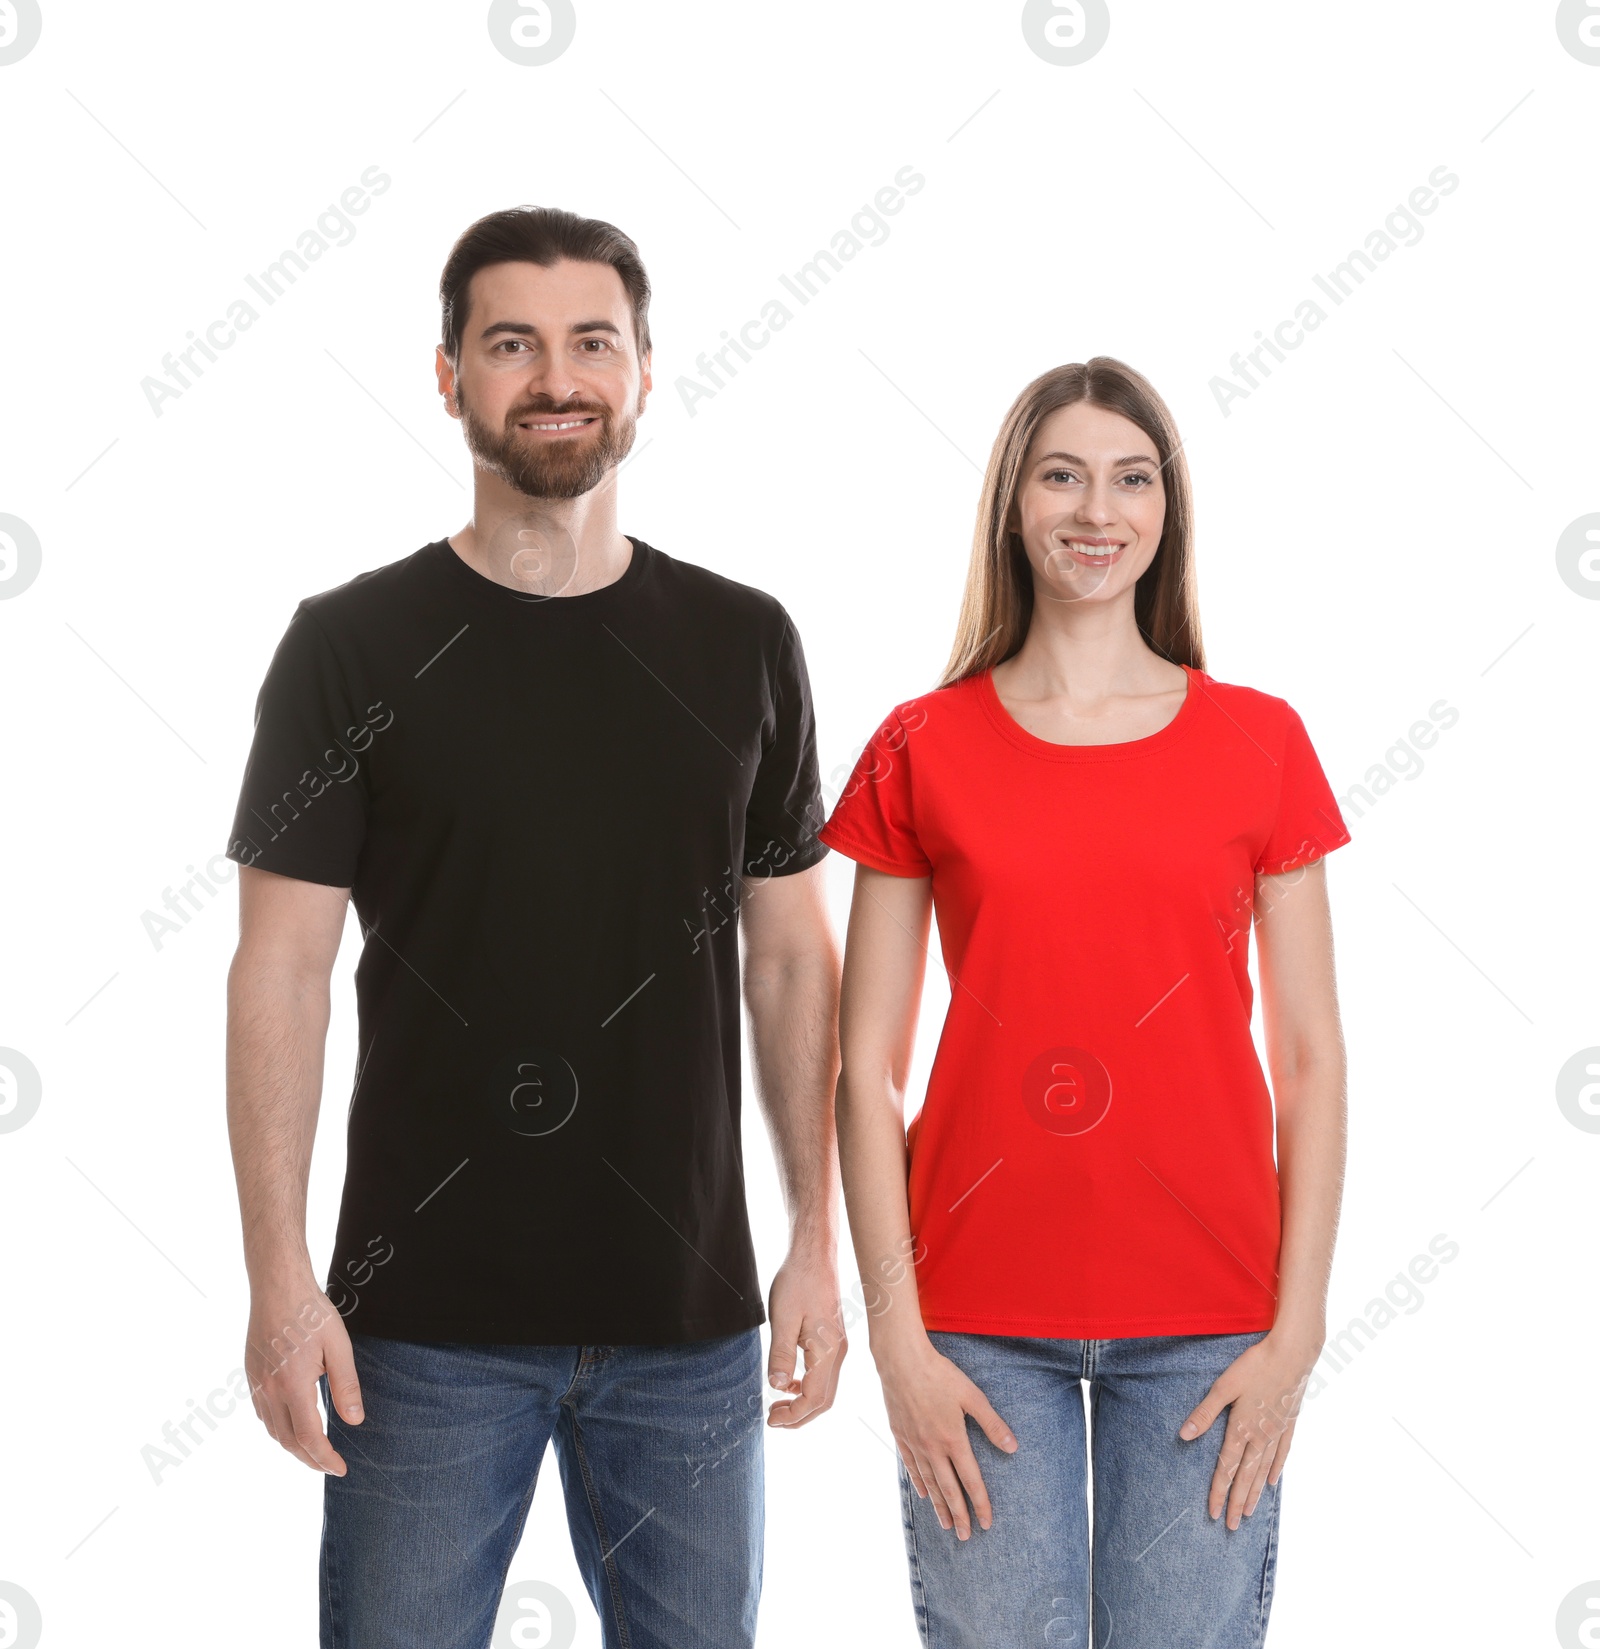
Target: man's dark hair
542 235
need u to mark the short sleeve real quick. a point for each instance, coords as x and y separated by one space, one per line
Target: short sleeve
1308 823
302 808
872 822
785 806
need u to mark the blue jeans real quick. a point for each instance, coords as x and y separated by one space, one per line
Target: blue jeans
1159 1573
661 1456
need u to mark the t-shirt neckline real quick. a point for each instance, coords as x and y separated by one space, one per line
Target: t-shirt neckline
1015 733
507 599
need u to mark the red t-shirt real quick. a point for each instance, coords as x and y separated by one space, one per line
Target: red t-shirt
1094 1155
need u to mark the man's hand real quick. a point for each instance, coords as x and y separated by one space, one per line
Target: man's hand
295 1337
805 1314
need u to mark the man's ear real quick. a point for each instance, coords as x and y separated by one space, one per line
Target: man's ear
444 376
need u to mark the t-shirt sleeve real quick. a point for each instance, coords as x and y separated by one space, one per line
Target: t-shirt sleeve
303 804
785 806
1308 822
872 821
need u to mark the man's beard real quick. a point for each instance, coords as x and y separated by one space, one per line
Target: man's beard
566 468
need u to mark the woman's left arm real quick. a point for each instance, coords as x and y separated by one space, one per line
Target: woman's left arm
1263 1388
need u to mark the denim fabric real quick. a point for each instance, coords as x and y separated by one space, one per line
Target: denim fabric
1157 1571
661 1456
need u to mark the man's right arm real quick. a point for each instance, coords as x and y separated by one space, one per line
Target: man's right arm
278 1007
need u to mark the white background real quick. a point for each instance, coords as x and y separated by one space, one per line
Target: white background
1377 530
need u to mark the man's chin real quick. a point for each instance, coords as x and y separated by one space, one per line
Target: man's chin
556 481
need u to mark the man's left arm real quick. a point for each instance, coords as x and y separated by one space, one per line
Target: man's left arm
791 991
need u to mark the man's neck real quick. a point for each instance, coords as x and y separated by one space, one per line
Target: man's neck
544 546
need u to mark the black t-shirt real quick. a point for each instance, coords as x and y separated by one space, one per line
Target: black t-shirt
542 807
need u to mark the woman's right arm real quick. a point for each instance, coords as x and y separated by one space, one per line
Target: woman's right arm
927 1397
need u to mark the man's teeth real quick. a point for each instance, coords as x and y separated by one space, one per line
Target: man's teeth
571 423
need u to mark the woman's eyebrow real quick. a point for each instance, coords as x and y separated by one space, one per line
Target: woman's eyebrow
1116 463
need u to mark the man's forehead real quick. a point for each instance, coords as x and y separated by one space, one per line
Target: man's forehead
556 289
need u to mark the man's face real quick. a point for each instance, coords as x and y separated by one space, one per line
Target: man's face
549 384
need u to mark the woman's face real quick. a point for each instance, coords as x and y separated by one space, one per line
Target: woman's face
1090 504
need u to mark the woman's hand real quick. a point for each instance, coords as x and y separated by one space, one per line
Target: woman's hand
929 1399
1262 1388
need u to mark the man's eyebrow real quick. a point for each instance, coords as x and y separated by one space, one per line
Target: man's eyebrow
1116 463
526 329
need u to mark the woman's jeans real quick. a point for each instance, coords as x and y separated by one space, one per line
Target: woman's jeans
1158 1572
660 1451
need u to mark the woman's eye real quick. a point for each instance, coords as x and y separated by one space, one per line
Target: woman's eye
1071 475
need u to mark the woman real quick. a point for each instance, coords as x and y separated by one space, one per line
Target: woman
1091 1191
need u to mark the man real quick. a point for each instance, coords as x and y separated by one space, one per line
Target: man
558 772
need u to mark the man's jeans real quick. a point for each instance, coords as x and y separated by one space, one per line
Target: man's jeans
1164 1575
660 1451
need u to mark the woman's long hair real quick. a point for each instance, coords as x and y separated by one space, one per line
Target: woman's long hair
997 605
